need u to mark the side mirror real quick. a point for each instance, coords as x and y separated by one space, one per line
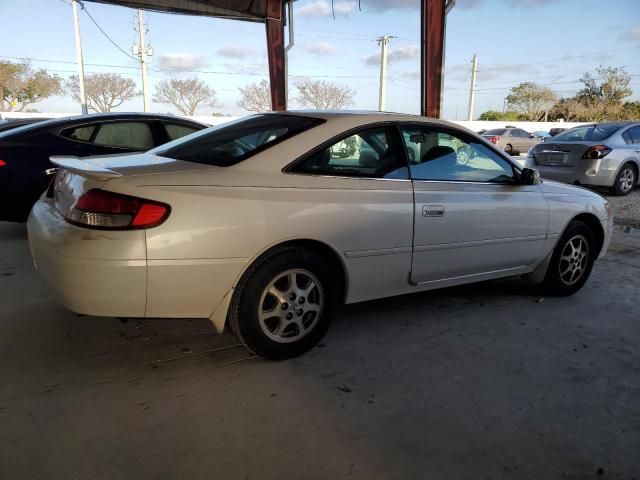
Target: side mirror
529 176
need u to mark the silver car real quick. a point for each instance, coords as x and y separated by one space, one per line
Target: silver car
512 140
605 155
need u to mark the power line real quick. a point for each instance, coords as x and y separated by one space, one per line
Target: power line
105 33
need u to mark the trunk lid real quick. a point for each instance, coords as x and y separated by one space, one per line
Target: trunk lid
560 154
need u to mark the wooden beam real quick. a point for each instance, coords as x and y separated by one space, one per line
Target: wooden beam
275 50
432 56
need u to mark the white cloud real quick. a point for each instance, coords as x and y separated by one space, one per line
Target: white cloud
395 55
320 48
242 68
322 8
631 34
181 62
234 51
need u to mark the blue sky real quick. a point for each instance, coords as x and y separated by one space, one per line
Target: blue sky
546 41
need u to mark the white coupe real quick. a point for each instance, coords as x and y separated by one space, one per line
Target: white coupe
270 222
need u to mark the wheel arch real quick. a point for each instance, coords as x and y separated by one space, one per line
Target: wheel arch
593 223
634 163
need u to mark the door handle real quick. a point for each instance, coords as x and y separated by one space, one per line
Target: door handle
637 150
433 210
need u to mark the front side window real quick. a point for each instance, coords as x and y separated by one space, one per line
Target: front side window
131 135
444 155
371 153
236 141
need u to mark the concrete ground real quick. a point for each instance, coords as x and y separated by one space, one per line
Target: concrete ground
481 382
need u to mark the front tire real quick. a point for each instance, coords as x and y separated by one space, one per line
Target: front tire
571 262
508 149
284 304
625 180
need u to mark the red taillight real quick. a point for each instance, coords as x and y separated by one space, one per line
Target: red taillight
102 209
595 152
2 163
493 139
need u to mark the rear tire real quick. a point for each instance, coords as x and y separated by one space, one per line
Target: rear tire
571 262
508 149
625 180
284 303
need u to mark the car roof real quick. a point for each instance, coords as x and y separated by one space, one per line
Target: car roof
90 118
365 116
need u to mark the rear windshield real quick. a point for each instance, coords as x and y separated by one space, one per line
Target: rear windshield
233 142
592 132
495 131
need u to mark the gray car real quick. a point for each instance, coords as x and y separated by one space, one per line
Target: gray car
604 154
512 140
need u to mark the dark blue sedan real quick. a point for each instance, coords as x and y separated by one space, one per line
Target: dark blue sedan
25 169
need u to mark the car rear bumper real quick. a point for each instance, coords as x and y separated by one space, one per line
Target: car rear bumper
94 272
583 174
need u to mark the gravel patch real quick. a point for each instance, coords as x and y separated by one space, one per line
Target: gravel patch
626 210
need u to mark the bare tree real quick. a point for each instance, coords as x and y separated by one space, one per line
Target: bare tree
531 100
21 85
104 91
255 97
324 95
186 94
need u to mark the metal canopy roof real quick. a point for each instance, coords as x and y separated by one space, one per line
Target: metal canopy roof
248 10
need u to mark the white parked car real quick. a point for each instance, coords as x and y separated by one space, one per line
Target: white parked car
268 223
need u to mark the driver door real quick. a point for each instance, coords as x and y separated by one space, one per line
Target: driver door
471 218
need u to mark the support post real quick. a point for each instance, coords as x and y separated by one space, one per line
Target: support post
275 50
472 87
432 56
382 95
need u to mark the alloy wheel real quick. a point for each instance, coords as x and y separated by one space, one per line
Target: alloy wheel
574 259
627 179
290 305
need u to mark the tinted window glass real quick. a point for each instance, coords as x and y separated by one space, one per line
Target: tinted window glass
635 134
521 133
495 131
82 133
626 136
233 142
449 156
369 153
175 130
592 132
134 135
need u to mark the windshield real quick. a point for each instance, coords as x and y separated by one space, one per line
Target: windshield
589 133
233 142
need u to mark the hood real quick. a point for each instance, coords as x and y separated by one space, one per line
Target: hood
558 188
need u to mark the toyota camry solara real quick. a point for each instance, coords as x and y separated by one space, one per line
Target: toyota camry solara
270 222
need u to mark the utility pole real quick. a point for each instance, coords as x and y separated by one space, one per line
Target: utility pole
472 90
383 42
76 24
141 51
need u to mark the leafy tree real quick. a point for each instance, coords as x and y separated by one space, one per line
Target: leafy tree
186 94
631 110
495 115
324 95
531 100
255 97
104 91
21 85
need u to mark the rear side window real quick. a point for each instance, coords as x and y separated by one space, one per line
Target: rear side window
233 142
132 135
634 133
176 130
495 131
82 133
590 133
